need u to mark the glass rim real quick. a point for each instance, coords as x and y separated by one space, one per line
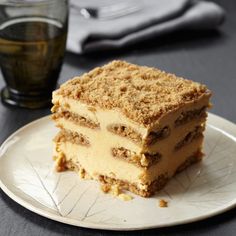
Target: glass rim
29 3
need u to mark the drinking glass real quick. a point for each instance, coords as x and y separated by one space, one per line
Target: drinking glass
32 45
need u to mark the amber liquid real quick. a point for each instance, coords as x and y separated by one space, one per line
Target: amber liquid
31 55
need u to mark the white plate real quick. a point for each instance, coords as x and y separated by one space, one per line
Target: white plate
27 176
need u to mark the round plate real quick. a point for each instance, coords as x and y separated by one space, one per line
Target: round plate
205 189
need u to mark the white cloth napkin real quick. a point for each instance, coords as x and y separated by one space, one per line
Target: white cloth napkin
150 19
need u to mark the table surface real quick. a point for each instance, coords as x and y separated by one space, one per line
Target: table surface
208 57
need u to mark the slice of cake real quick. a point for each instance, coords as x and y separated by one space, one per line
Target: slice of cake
128 125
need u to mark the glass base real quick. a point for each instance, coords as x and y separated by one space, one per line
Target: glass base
31 102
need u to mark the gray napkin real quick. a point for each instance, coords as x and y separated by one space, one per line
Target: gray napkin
145 20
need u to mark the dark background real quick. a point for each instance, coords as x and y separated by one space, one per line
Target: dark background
207 57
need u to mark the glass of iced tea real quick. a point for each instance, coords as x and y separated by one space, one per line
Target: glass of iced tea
32 45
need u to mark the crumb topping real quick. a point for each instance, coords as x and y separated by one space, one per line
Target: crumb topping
141 93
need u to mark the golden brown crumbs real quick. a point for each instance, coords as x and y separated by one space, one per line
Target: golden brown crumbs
67 105
61 162
115 191
125 197
57 148
78 169
163 203
82 173
60 126
105 188
141 93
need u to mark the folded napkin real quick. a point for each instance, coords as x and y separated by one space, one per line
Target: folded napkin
149 18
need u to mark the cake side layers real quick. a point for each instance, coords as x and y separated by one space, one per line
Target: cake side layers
117 168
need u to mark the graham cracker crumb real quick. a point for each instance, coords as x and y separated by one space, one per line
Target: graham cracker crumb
125 197
106 188
61 162
82 173
141 93
163 203
115 190
78 169
57 148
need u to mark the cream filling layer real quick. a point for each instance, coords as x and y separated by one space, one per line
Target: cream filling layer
99 139
169 163
97 164
108 140
166 146
116 168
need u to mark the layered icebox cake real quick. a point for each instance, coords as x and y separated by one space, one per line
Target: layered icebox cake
129 125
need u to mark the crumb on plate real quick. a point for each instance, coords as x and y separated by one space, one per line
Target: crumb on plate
163 203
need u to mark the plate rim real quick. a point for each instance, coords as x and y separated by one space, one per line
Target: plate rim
94 225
